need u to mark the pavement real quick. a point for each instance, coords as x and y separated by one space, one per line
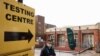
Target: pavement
58 53
89 53
70 53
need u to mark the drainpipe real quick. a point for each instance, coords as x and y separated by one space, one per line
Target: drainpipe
55 38
80 38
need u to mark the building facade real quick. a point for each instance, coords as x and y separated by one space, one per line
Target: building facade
86 37
40 25
40 29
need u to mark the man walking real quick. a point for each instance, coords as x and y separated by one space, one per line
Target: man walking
48 49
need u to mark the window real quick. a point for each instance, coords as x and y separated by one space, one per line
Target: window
39 39
61 41
39 28
39 22
88 40
52 37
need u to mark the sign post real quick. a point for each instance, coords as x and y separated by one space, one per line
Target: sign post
17 29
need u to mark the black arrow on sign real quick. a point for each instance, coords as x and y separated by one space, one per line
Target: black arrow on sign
15 36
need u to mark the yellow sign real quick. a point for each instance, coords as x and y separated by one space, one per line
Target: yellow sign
17 27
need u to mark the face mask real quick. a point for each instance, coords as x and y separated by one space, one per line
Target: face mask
49 45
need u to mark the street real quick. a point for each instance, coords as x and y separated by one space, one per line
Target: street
37 53
58 53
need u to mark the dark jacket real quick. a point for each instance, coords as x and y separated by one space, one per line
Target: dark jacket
46 51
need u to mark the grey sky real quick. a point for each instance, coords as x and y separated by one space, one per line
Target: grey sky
67 12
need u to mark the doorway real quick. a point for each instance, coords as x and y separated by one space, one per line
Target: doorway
88 41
